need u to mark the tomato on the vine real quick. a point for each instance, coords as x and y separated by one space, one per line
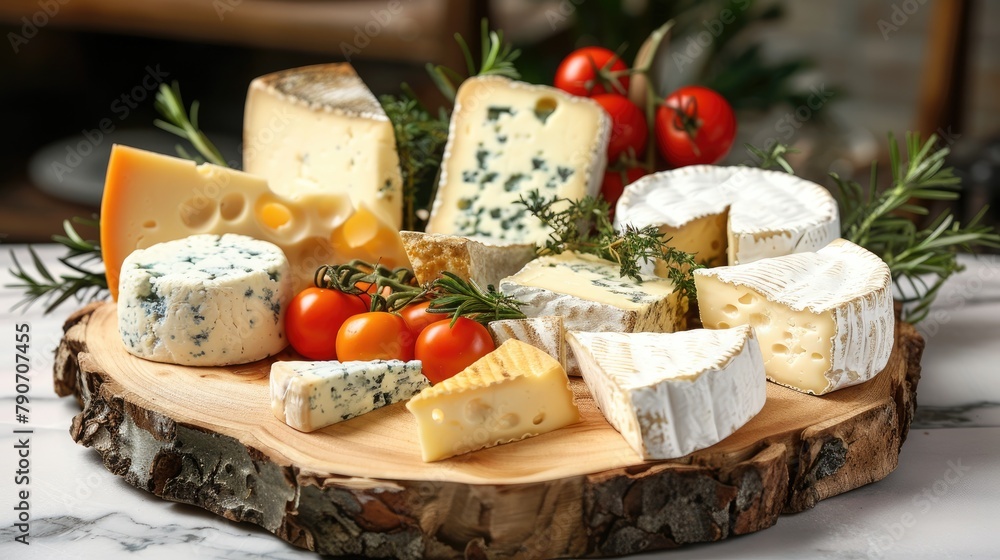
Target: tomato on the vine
417 316
367 289
375 335
313 318
586 72
628 125
695 125
446 350
615 182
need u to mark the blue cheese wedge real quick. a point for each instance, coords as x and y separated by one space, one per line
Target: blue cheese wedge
205 300
590 295
509 138
312 395
672 394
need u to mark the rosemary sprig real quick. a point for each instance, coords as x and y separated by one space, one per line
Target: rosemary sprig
83 284
177 121
497 60
394 288
877 221
584 226
772 157
464 298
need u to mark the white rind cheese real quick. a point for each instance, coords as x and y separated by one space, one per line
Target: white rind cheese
312 395
545 333
732 214
590 295
825 320
672 394
318 129
483 261
508 138
205 300
515 392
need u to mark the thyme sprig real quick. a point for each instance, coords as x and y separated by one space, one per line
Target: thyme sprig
177 121
464 298
497 59
82 284
585 226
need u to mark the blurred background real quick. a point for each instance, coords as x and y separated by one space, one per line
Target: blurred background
830 78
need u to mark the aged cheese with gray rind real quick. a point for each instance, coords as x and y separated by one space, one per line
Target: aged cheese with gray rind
672 394
483 261
204 300
546 333
591 295
312 395
506 139
732 214
824 320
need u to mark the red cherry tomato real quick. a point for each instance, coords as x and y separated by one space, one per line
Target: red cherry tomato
695 125
375 335
313 319
615 182
446 350
628 125
417 316
584 72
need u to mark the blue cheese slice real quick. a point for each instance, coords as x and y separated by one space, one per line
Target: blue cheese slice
205 300
312 395
509 138
590 295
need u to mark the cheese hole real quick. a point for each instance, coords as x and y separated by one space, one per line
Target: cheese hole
759 320
723 325
779 349
509 420
477 411
730 310
437 415
747 299
544 108
817 357
275 215
149 224
197 211
538 419
232 206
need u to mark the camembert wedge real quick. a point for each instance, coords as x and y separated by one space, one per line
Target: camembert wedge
672 394
515 392
824 320
733 215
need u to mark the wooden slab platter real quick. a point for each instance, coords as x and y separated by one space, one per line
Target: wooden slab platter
206 436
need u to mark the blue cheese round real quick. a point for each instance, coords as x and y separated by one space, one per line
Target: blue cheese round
206 300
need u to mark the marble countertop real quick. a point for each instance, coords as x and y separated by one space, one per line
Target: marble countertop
939 503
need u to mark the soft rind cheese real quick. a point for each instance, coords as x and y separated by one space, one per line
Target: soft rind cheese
312 395
515 392
150 198
672 394
319 129
824 320
483 261
591 295
733 215
205 300
508 138
545 333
